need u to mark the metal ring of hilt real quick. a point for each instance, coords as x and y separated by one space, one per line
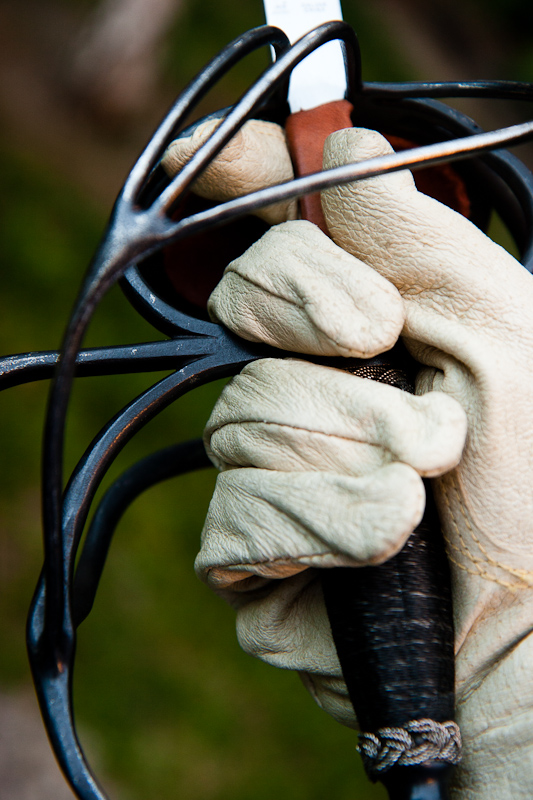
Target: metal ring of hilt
51 628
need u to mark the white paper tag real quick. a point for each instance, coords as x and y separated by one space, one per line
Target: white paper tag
321 77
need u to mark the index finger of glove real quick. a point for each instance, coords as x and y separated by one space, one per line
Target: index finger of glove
295 289
440 262
291 415
268 524
256 156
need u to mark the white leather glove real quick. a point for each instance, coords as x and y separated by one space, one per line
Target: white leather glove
322 468
255 157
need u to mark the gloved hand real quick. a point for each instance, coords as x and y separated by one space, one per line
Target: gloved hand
255 157
321 468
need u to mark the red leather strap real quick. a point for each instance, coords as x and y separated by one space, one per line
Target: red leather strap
306 133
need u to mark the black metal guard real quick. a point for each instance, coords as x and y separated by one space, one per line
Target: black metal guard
199 351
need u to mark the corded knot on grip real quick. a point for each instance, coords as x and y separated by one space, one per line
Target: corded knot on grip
419 741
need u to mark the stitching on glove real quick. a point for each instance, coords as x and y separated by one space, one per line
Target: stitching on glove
525 577
483 574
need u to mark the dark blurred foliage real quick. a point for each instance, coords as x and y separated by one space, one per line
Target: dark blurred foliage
167 702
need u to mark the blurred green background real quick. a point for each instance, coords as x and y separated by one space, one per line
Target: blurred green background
167 703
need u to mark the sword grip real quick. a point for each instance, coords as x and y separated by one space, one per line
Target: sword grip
392 624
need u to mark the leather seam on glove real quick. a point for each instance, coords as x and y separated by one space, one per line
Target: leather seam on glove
340 349
288 559
270 292
525 576
284 426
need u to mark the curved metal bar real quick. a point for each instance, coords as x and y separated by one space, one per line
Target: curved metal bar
54 693
146 357
102 451
161 315
155 468
193 93
52 639
494 90
516 178
54 688
231 354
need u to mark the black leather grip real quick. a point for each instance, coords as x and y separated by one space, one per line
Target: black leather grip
392 624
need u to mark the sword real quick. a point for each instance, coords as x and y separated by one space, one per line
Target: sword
391 624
